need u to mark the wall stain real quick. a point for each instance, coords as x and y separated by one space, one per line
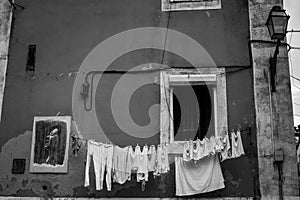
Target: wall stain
80 191
29 184
25 193
56 186
229 178
24 182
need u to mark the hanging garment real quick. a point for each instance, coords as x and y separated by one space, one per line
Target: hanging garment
225 153
237 145
219 145
121 165
187 150
142 163
210 146
203 176
151 158
162 165
196 150
94 149
205 143
202 150
133 159
106 163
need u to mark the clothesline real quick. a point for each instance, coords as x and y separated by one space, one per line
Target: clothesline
201 158
247 130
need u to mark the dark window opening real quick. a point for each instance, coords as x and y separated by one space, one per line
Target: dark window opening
189 121
30 66
18 166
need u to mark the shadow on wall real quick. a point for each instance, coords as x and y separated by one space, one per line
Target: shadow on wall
38 185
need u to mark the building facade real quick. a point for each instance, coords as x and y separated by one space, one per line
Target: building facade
105 64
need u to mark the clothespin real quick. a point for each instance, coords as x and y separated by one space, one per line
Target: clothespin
239 127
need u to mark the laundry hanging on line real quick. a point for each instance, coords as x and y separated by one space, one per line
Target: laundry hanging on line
198 149
198 170
203 176
119 163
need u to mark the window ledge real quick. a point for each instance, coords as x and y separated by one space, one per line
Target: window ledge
167 5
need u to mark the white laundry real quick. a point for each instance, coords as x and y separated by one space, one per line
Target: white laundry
93 150
121 165
237 145
203 176
219 145
187 150
210 146
133 159
162 165
142 163
151 158
106 163
196 150
206 147
225 153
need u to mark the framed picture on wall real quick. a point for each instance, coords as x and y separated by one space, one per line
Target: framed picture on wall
50 144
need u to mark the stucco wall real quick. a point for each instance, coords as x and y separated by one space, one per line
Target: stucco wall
5 28
274 115
65 32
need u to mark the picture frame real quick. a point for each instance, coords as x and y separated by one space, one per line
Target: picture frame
50 144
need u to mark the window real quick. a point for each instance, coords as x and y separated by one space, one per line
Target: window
173 5
193 117
30 66
193 104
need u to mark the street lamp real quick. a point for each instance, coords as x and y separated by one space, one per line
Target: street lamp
277 24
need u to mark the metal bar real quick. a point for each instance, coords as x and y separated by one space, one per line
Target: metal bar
293 31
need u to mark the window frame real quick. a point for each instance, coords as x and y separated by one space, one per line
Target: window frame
215 76
176 5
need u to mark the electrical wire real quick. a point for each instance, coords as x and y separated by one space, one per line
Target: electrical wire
296 78
296 103
94 73
296 86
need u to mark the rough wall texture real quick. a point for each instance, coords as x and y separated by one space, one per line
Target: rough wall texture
274 116
65 31
5 27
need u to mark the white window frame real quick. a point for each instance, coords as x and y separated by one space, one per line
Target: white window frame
215 76
176 5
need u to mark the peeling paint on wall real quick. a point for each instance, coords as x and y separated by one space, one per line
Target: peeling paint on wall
29 184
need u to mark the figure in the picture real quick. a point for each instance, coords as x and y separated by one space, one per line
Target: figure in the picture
51 146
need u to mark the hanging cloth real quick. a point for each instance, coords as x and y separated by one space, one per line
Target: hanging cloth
151 158
162 165
94 151
142 163
237 145
225 153
203 176
102 155
121 164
